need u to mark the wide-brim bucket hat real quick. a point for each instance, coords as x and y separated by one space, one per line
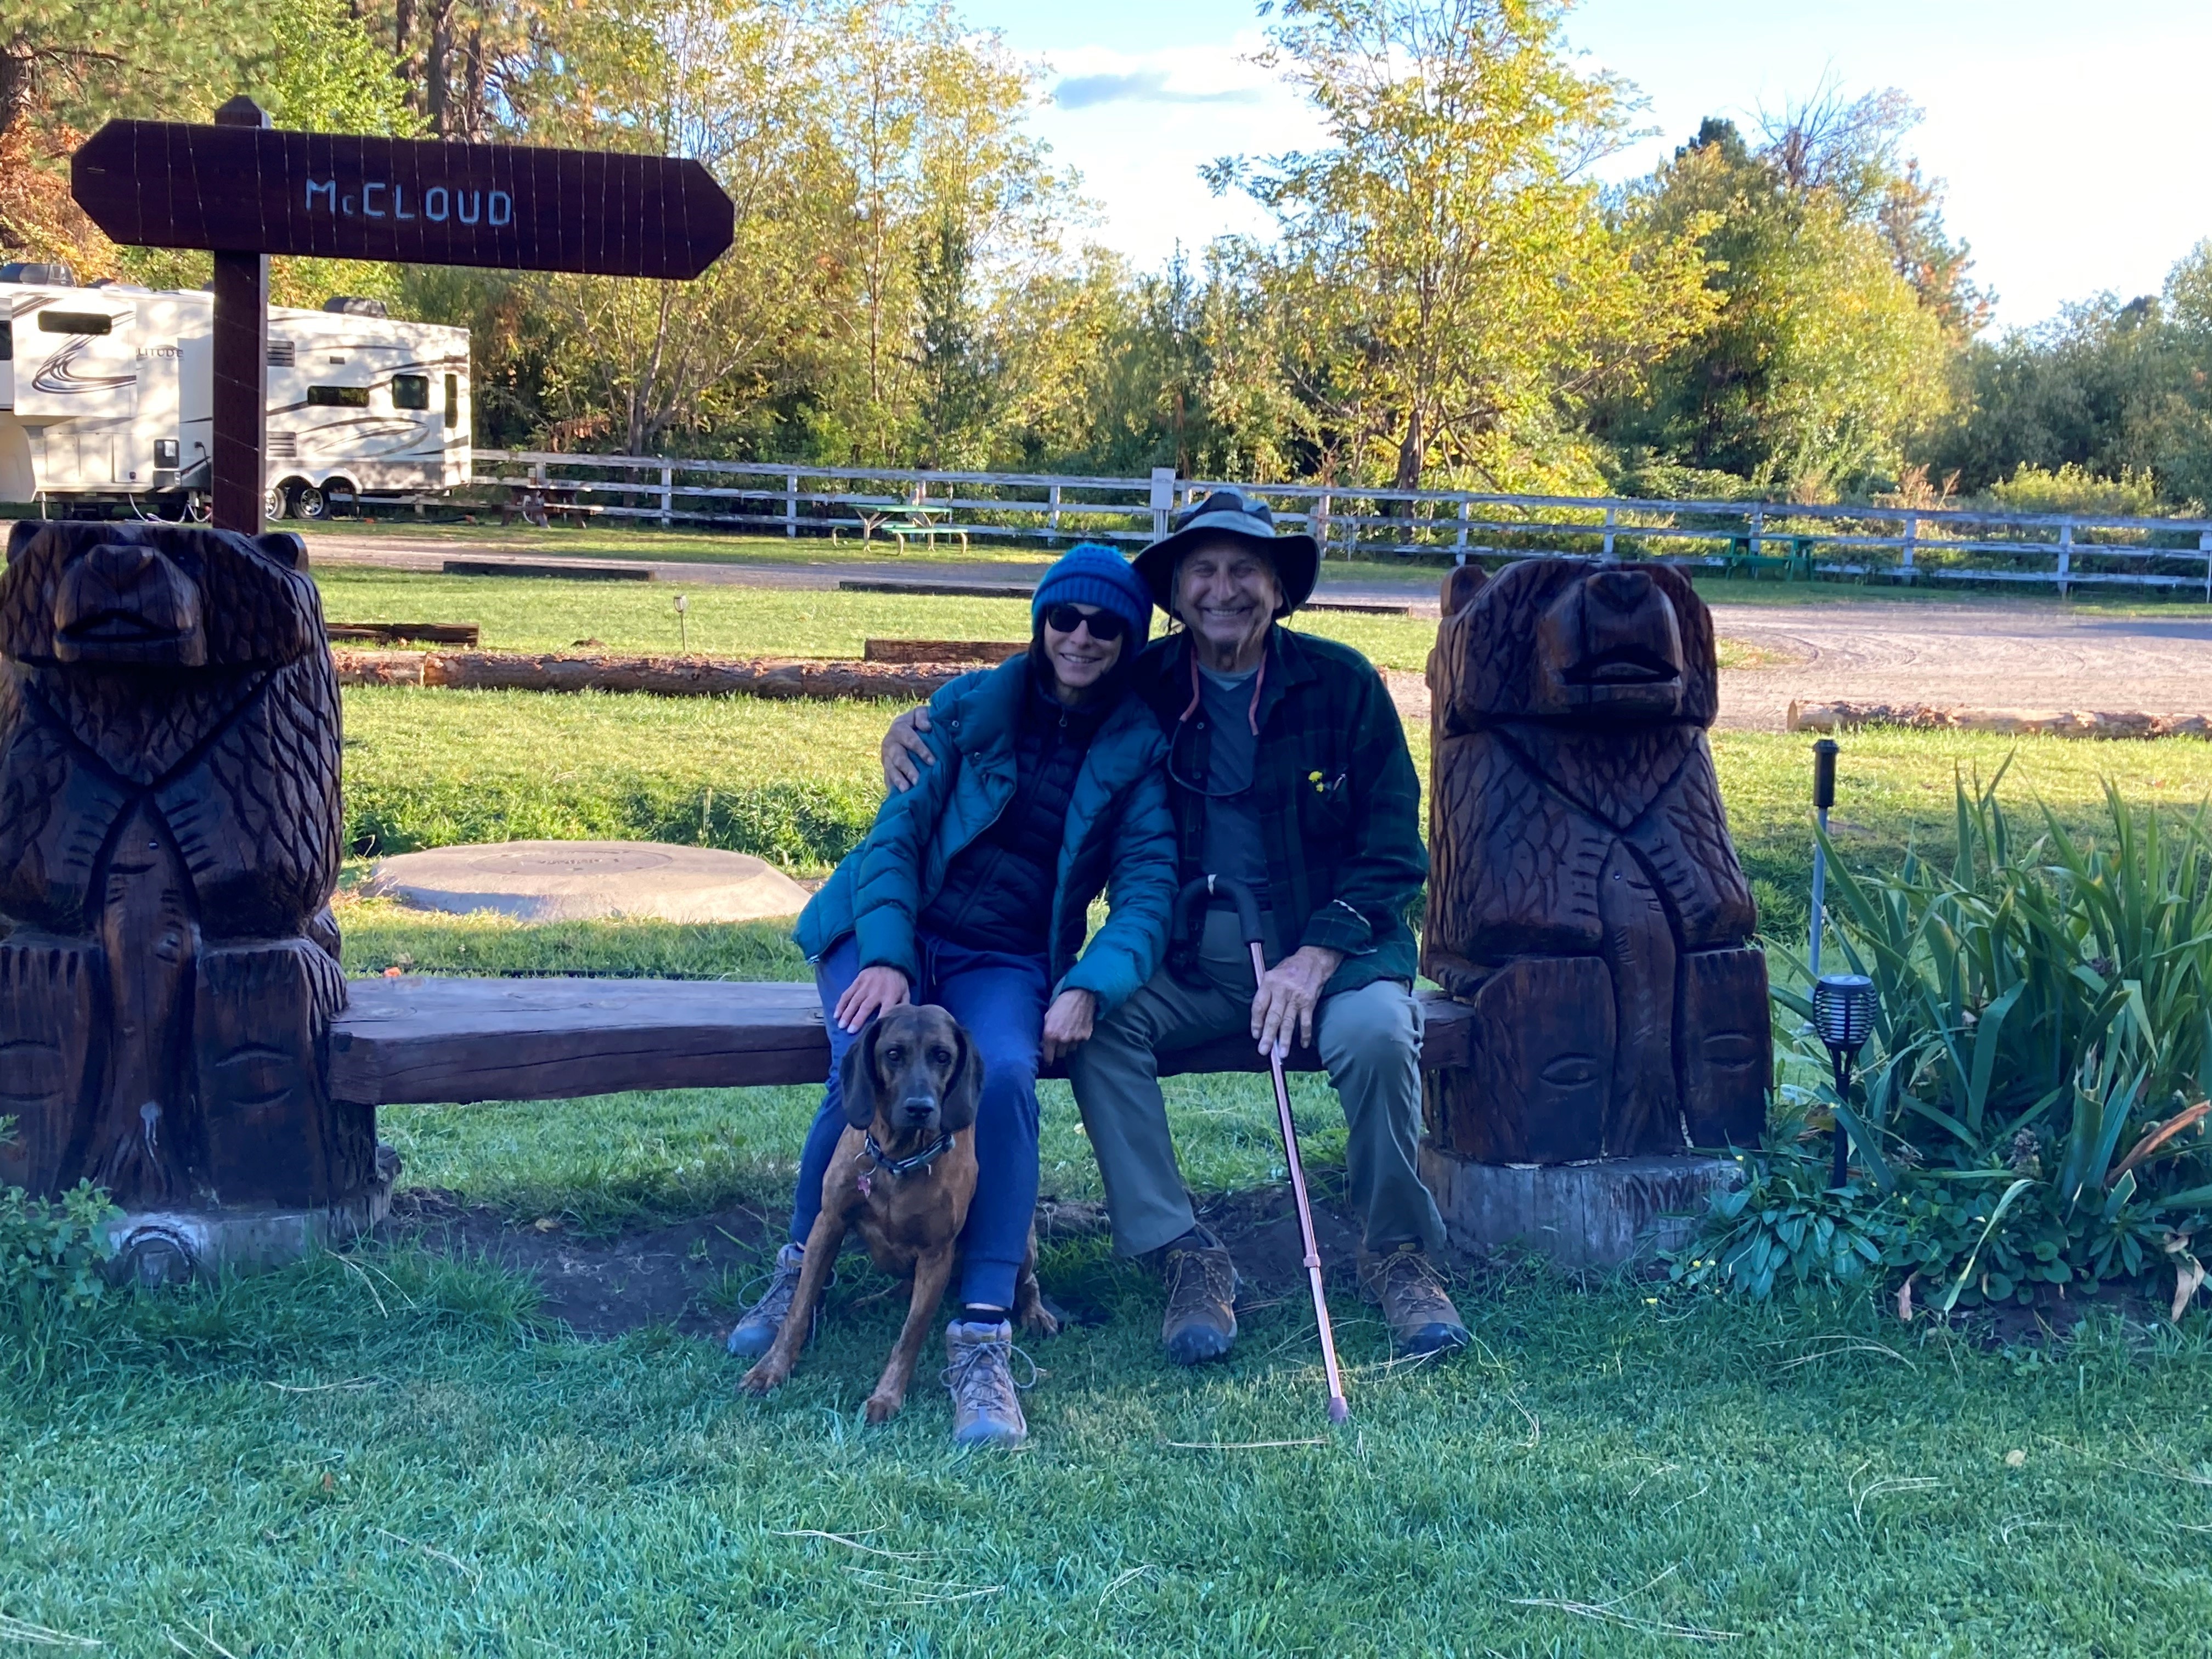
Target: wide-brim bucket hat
1229 512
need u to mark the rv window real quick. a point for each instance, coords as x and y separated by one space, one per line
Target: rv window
7 343
338 397
453 400
410 392
74 322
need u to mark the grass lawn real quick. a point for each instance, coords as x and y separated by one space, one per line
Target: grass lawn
393 1452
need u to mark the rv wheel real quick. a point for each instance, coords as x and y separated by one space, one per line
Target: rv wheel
272 504
310 503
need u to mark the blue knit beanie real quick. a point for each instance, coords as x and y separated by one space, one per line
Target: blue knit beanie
1092 575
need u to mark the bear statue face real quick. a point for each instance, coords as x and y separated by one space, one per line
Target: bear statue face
156 596
1561 640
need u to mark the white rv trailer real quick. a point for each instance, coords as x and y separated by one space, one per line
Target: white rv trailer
107 398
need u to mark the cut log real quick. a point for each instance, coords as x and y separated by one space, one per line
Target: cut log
401 633
1807 716
942 590
569 570
661 677
423 1039
963 651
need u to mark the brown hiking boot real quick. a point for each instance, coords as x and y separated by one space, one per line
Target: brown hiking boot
1410 1290
1201 1317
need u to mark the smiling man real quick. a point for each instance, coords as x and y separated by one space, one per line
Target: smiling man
1288 770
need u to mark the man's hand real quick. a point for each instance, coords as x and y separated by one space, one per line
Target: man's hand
872 991
1068 1022
904 748
1288 993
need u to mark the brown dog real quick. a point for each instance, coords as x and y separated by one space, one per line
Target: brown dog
904 1174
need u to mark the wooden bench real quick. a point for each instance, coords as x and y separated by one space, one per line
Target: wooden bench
423 1039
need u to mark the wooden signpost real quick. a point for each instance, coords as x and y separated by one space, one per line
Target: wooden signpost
246 191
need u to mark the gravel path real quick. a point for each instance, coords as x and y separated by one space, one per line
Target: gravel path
1991 654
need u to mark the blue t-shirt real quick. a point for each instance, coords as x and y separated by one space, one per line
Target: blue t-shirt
1232 844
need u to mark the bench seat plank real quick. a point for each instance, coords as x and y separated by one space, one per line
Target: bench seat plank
424 1039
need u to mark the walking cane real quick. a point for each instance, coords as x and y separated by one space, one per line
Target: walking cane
1247 920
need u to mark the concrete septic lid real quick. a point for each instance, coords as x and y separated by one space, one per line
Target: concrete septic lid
573 880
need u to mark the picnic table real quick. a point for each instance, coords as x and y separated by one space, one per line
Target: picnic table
903 519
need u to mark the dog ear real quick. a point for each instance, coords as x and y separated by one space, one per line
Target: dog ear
857 1084
964 1094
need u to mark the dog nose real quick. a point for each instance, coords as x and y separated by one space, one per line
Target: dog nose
919 1109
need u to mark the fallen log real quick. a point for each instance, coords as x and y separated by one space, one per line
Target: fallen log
1832 716
659 677
402 633
972 651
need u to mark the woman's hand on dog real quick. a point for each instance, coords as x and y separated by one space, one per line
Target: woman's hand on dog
1068 1022
872 990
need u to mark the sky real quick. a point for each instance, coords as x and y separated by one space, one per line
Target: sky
2073 138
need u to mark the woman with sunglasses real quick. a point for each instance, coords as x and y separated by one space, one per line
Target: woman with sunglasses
973 891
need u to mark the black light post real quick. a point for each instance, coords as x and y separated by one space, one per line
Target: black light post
1824 797
1843 1013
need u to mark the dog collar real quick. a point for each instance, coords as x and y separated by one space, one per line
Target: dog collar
899 1168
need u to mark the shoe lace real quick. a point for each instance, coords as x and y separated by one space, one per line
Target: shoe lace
981 1377
774 1302
1410 1276
1197 1277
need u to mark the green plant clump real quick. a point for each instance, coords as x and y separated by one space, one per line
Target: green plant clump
2030 1119
51 1252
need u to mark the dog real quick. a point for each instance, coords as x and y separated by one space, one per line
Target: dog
904 1174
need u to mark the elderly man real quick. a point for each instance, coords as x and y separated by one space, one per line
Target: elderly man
1288 770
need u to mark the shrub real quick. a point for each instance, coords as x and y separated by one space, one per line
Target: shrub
2032 1109
2074 489
51 1252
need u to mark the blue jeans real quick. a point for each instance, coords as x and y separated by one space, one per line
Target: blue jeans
1000 999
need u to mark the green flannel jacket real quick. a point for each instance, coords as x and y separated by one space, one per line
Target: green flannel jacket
1340 805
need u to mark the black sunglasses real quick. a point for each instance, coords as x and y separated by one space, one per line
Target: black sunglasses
1105 626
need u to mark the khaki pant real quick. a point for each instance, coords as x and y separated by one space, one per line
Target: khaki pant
1370 1040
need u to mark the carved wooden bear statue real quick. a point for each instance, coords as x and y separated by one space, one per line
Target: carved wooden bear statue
170 834
1583 893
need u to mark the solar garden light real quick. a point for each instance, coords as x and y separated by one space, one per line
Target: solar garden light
1843 1013
1824 797
683 645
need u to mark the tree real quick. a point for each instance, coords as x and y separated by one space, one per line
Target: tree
1821 360
1445 270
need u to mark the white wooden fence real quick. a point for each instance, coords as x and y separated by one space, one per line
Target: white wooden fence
1887 544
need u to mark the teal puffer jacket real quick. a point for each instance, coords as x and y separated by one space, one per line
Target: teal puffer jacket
1120 839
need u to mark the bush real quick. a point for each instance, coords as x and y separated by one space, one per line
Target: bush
2074 489
51 1252
2032 1109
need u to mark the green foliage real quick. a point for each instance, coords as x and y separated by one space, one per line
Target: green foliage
2118 391
51 1251
1445 274
2074 489
1823 360
2030 1110
1785 1230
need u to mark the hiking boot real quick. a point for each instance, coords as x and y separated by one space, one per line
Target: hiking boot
756 1332
1411 1292
986 1408
1201 1317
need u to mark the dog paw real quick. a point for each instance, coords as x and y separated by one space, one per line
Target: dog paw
882 1408
763 1377
1037 1320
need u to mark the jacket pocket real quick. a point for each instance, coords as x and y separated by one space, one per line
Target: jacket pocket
1325 807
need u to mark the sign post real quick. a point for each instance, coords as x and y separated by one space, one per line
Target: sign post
246 191
237 486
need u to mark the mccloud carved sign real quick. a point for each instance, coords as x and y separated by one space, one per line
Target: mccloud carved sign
253 189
